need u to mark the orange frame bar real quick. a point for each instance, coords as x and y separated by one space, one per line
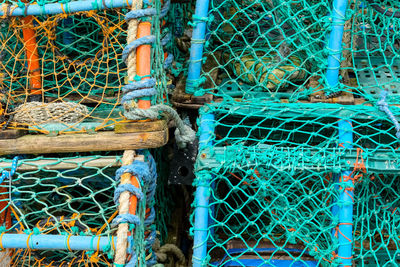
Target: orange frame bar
32 56
143 59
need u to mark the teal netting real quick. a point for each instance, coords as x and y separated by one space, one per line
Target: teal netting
60 196
275 173
270 49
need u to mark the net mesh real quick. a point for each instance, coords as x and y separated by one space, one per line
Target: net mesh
72 196
272 48
276 176
60 196
276 167
65 72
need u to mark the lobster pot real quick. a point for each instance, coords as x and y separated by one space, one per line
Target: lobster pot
295 182
260 49
68 197
370 56
65 73
376 219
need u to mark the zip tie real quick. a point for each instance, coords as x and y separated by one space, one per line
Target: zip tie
68 246
1 241
27 240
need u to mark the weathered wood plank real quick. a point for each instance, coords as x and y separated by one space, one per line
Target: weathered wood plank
137 127
11 133
101 141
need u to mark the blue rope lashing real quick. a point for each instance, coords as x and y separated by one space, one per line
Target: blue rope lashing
127 188
148 83
150 219
151 238
148 39
12 171
383 106
147 12
166 39
138 93
168 61
125 218
139 169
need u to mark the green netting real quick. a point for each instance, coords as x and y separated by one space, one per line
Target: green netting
279 169
275 173
74 59
280 49
265 48
371 50
61 196
72 196
180 28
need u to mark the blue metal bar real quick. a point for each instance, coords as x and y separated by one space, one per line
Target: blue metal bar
202 196
58 8
196 49
344 207
335 207
57 242
346 202
335 42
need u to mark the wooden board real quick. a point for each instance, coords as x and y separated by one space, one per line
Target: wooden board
137 127
101 141
11 133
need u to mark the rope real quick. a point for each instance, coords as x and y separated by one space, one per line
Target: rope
169 249
10 173
184 134
123 228
146 174
137 88
38 112
383 106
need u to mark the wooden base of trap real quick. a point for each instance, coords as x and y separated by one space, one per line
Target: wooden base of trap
11 133
150 134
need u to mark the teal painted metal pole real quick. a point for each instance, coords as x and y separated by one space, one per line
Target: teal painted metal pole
70 7
335 42
57 242
202 197
346 201
344 207
196 49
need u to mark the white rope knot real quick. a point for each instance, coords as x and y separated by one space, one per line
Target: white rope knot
184 134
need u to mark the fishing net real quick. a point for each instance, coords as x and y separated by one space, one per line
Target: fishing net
272 49
275 176
70 197
60 196
370 62
283 177
65 73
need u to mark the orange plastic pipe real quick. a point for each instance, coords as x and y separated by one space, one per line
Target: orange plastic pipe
133 199
32 56
143 59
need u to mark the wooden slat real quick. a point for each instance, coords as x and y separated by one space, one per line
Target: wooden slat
11 133
137 127
101 141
